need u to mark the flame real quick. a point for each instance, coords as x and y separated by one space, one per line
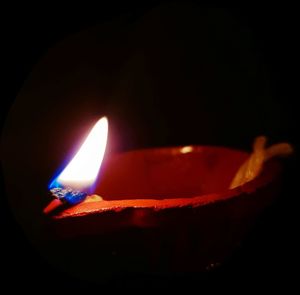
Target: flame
82 170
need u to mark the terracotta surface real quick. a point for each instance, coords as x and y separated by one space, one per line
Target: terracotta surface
165 210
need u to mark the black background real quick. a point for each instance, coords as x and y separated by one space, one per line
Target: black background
268 256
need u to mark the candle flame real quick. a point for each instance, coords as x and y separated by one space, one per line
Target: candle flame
82 170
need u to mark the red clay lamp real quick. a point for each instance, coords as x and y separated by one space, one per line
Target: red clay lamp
161 209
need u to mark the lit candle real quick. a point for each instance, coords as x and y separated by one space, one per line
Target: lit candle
176 191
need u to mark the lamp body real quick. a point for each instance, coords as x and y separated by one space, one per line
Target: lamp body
164 210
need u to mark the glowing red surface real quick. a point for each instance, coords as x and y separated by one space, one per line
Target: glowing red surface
165 178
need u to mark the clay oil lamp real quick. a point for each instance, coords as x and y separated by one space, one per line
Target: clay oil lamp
170 209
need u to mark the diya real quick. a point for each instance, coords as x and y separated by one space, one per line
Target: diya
171 209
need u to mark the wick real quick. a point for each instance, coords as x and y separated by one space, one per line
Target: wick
252 167
57 205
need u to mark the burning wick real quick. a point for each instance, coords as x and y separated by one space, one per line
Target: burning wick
72 184
68 195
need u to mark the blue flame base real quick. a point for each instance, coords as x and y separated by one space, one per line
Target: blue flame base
68 195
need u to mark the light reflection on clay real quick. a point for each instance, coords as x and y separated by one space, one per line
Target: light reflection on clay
186 149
